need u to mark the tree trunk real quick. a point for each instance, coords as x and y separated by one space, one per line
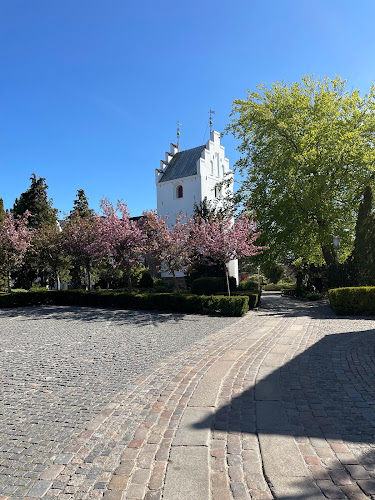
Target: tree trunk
175 282
129 278
227 278
329 254
58 284
9 287
88 278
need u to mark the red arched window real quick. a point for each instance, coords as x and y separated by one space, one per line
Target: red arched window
180 192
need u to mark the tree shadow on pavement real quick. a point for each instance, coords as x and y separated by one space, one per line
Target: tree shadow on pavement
325 393
89 314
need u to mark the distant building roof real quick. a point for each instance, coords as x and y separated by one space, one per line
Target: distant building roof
183 164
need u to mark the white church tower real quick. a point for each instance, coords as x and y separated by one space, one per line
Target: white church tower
187 177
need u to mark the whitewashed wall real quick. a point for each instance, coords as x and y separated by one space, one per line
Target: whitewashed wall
212 166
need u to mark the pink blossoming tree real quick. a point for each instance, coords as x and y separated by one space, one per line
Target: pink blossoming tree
224 239
172 244
15 239
81 242
125 239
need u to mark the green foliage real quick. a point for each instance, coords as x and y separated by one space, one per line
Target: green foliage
254 298
279 286
162 286
191 304
81 206
204 268
35 200
211 285
205 210
353 300
2 211
250 283
364 245
314 296
306 153
342 275
146 281
273 272
109 276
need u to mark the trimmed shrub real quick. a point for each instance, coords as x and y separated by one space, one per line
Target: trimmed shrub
173 302
254 298
212 285
162 286
146 281
249 284
314 296
353 300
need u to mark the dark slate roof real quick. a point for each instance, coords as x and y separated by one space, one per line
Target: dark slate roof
183 164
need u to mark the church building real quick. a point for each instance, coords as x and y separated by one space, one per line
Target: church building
188 177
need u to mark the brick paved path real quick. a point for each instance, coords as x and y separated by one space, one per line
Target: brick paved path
279 404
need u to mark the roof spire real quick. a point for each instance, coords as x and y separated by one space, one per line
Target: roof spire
211 113
178 135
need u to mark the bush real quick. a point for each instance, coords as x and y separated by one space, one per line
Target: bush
146 281
193 304
249 284
353 300
254 298
210 286
162 286
273 272
314 296
342 275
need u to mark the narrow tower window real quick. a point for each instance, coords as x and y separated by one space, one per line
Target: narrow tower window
180 192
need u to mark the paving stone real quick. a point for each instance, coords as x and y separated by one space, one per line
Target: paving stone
368 486
39 489
295 487
194 428
52 472
187 475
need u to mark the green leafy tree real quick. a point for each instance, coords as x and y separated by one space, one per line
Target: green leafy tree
364 246
306 153
81 206
35 200
205 210
51 263
273 272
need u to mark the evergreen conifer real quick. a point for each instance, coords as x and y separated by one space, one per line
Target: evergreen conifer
364 246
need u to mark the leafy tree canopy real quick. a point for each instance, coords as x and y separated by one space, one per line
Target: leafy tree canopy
306 153
35 200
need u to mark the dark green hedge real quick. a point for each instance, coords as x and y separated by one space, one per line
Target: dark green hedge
212 285
353 300
254 298
193 304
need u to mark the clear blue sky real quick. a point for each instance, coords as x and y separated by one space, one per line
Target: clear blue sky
91 90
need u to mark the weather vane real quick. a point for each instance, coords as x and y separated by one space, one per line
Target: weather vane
178 135
211 113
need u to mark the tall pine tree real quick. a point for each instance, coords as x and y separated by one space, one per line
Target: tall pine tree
364 246
81 206
35 200
2 211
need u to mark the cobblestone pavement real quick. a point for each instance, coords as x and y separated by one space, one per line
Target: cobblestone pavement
279 404
61 371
